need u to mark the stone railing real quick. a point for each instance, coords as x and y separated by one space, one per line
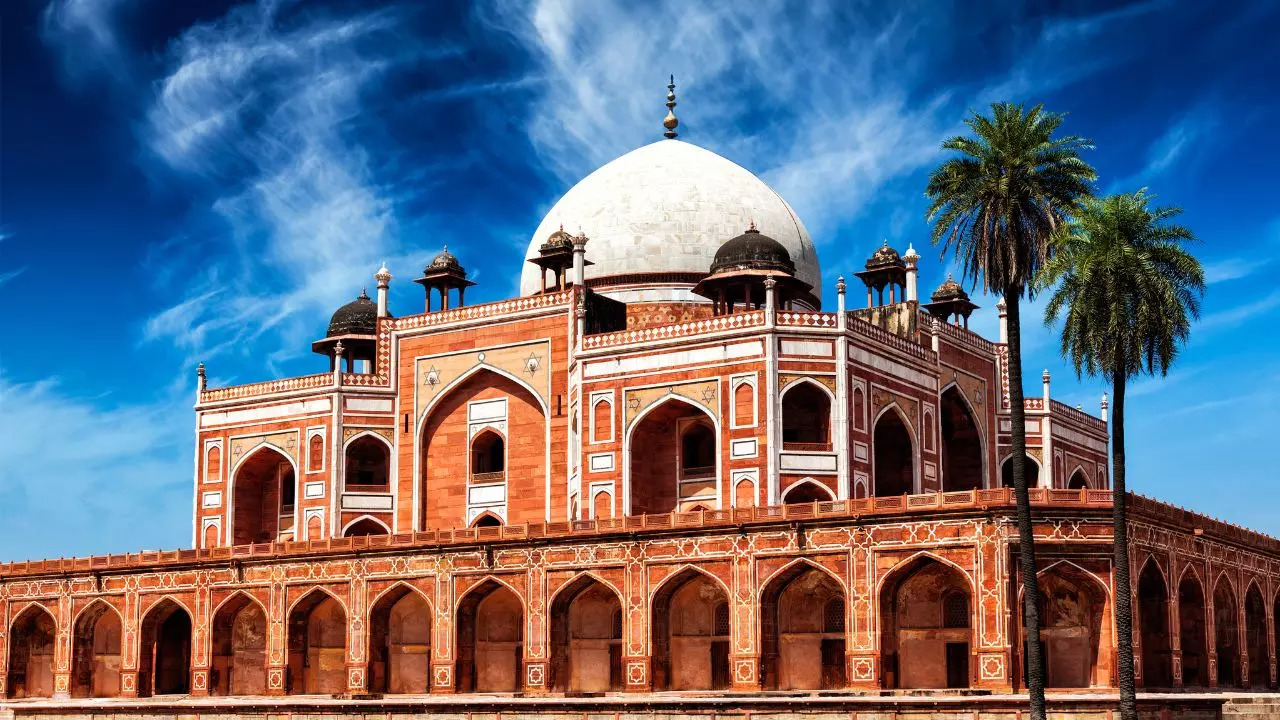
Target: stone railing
270 387
959 335
1033 403
794 318
884 337
665 332
480 312
1077 415
365 380
984 500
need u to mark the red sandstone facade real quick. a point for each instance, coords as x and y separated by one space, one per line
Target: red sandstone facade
561 493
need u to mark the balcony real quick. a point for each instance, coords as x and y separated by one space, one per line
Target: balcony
819 447
482 478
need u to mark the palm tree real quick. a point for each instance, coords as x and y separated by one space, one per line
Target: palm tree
1127 291
995 205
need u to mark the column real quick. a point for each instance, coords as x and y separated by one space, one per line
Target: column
536 672
62 650
357 637
277 640
201 632
637 668
129 641
744 645
1175 620
442 638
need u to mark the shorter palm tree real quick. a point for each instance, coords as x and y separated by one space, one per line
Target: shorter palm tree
1127 291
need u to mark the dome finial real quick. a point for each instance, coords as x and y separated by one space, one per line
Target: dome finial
670 122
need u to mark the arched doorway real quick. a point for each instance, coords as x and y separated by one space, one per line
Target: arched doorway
400 643
586 638
1032 471
368 464
317 646
1077 482
690 626
1153 620
239 648
95 654
673 441
926 626
807 491
1191 632
164 655
463 458
263 497
894 456
1074 628
1225 634
490 639
1255 632
31 648
802 622
806 418
961 444
365 527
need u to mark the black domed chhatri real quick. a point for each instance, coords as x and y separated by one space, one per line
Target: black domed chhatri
753 251
358 317
949 290
444 261
883 257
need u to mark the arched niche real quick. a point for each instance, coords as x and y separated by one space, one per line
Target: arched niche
364 527
445 455
264 493
239 662
317 646
31 653
962 453
1078 480
400 643
893 455
1075 628
806 491
490 627
926 634
1226 639
367 464
1153 622
164 656
673 452
1191 632
586 638
806 417
96 652
690 626
1255 635
802 621
1032 471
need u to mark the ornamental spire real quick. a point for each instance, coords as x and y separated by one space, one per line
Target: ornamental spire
670 122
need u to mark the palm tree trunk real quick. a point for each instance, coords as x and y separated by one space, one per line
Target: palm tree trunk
1026 536
1120 531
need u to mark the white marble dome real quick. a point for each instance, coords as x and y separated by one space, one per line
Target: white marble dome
666 208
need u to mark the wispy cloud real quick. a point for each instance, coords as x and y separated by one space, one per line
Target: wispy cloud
1233 268
70 462
85 32
1180 144
1239 313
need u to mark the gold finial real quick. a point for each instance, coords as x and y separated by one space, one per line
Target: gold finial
670 122
753 226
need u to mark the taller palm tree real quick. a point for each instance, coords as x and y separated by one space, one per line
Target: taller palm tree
995 205
1127 291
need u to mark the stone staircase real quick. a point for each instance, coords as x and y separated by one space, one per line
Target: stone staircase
1265 707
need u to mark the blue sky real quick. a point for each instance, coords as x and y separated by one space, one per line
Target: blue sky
208 181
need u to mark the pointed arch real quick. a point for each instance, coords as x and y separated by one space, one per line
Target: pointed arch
96 650
894 453
689 631
1226 631
807 415
363 523
1153 625
803 615
488 455
806 490
400 639
647 480
317 643
1255 636
586 619
32 639
486 519
1192 631
1032 467
443 430
963 449
239 646
366 461
262 503
164 657
1076 626
490 627
1078 479
926 623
